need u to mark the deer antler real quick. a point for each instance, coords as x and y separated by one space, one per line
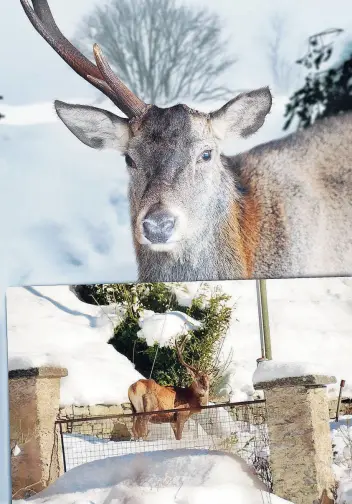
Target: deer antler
179 350
101 76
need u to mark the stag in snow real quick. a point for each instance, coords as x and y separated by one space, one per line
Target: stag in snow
146 396
281 209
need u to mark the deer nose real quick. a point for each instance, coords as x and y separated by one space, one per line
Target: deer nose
158 226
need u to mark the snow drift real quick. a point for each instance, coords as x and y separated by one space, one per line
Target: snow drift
165 477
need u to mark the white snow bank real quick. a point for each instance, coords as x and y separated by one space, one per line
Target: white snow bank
170 476
50 326
274 370
163 328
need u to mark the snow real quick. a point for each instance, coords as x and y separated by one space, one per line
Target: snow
310 323
274 370
50 326
174 476
164 328
341 433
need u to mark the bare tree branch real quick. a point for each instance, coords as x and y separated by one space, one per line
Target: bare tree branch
283 70
161 50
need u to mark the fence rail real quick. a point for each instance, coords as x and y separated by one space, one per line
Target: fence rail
234 428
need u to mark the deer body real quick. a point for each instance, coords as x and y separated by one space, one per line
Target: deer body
282 209
146 396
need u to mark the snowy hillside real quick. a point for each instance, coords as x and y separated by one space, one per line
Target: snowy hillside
310 322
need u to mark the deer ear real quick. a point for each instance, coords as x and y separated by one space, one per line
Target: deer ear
243 115
97 128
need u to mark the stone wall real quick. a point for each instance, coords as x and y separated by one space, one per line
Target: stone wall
116 429
299 438
34 407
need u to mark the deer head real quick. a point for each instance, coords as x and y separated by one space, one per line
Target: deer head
173 155
201 380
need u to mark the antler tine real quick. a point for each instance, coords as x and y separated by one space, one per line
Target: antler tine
128 98
42 20
180 357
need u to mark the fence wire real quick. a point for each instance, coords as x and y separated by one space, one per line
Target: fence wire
236 428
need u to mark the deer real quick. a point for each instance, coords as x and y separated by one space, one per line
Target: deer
281 209
148 396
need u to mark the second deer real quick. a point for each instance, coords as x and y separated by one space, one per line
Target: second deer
147 396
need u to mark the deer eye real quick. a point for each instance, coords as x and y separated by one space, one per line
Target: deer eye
205 156
129 161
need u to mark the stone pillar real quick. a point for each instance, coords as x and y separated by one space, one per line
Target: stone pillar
299 438
34 407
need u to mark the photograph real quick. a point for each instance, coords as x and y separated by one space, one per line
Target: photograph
219 161
176 251
181 392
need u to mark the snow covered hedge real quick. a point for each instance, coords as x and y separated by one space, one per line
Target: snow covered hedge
157 314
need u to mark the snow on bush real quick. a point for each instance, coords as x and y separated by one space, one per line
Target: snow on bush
49 326
165 477
164 328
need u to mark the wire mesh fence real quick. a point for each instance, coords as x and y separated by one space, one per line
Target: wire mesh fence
236 428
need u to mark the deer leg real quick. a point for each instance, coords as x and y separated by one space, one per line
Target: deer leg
150 403
137 425
177 427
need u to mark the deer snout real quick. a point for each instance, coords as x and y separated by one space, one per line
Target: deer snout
158 226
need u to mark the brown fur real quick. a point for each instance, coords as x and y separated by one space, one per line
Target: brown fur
250 232
147 396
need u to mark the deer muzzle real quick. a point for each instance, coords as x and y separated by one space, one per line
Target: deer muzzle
158 226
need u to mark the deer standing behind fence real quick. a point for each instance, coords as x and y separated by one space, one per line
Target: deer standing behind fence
282 209
146 396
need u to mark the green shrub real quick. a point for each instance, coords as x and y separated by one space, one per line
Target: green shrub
161 363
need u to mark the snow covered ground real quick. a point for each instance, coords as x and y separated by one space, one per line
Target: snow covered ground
80 449
167 477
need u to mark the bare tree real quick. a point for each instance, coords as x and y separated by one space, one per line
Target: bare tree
284 71
161 50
